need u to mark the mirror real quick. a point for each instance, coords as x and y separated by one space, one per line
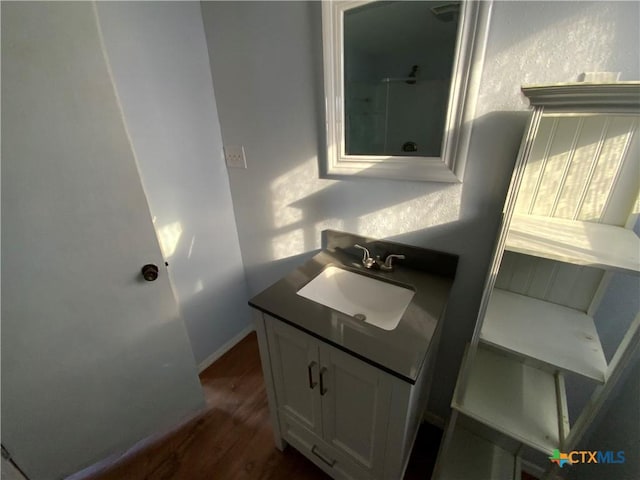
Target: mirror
398 58
399 86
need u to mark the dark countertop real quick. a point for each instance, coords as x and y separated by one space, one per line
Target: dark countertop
401 351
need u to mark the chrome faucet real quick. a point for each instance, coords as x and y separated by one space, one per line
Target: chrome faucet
388 262
367 261
370 262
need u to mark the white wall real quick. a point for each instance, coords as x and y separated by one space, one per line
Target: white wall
267 71
93 357
158 55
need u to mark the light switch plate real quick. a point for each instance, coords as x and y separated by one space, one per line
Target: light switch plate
234 156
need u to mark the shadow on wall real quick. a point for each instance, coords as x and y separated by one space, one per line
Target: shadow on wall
210 316
616 429
555 42
302 208
210 287
456 218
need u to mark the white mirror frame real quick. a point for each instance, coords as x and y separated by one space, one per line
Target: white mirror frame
467 69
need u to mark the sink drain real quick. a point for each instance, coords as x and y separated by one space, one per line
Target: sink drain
360 316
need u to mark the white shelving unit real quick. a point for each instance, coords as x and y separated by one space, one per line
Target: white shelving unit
571 206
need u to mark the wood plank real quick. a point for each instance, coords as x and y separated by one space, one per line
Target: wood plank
572 241
513 398
555 335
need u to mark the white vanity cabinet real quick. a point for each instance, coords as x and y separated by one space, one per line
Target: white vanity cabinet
341 400
352 419
567 229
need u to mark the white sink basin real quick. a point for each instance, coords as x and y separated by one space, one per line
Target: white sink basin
379 303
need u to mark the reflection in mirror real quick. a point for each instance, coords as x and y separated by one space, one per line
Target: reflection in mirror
398 59
401 82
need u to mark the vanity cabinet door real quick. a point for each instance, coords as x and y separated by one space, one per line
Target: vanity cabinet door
356 399
295 370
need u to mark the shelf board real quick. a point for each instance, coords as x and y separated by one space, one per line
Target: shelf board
577 242
516 399
471 456
558 336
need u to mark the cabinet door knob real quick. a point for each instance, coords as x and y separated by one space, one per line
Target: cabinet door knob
312 384
150 272
323 390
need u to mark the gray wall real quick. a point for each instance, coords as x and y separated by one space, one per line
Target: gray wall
618 429
158 56
619 306
267 71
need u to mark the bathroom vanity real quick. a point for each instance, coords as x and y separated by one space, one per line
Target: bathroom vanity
347 393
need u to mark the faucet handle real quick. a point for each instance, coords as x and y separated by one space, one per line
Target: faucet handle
367 261
388 262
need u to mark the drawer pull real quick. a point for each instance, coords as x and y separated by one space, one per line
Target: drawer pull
323 390
312 384
314 450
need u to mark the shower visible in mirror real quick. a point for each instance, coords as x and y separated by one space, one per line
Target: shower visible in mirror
398 60
401 83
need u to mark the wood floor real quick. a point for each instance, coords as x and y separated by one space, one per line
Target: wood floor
233 439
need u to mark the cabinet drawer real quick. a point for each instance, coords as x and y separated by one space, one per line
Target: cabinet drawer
334 463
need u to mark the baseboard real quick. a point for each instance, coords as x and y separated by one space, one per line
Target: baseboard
433 419
206 363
